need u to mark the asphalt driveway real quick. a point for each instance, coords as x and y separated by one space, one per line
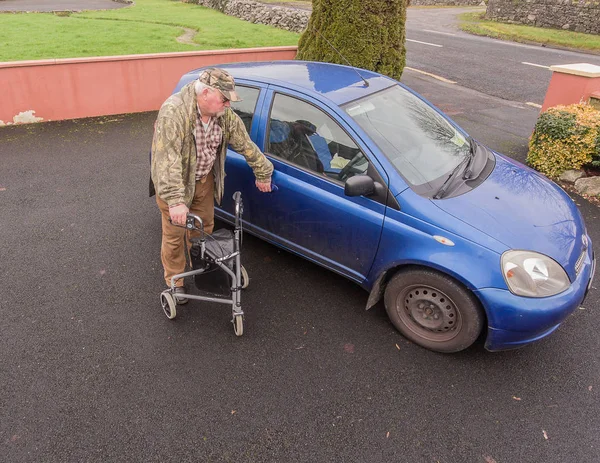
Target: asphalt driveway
59 5
92 370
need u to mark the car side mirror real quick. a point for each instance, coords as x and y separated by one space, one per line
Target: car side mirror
360 185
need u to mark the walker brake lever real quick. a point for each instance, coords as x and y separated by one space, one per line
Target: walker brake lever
190 222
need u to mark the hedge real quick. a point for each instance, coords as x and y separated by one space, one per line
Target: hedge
565 137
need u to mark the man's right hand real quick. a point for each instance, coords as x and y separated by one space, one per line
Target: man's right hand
178 214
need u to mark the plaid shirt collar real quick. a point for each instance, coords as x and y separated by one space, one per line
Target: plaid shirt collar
207 143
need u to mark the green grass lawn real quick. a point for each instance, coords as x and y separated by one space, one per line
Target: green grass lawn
150 26
476 24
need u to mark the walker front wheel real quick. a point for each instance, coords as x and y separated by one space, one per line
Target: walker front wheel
245 278
167 301
238 324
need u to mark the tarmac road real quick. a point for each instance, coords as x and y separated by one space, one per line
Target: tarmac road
93 371
59 5
509 70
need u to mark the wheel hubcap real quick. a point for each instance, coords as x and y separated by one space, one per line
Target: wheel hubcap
429 312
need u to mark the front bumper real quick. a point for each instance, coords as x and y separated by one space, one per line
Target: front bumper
515 321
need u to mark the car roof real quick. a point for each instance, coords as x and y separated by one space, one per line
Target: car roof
338 83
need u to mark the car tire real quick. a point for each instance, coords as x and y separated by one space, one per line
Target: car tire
433 310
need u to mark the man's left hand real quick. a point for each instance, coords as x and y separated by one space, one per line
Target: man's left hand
264 187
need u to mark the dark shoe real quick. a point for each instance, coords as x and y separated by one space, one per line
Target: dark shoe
180 299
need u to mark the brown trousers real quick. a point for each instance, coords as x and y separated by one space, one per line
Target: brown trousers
176 240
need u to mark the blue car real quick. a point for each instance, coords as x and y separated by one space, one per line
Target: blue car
376 184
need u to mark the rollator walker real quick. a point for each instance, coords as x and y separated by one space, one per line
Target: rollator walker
216 268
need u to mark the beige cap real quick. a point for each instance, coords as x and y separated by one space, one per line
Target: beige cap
220 80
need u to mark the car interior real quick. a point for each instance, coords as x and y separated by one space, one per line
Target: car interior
300 143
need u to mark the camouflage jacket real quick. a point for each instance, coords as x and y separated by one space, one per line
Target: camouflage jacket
174 149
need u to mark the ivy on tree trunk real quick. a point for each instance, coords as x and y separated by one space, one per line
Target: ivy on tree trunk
370 34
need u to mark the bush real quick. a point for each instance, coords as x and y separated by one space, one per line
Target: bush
565 137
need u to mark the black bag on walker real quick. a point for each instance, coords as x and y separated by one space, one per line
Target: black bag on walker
213 279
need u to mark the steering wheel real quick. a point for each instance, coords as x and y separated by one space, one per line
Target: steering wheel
347 169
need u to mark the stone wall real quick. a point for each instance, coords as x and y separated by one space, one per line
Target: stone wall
574 15
290 19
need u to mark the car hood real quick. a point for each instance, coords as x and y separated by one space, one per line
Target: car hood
523 210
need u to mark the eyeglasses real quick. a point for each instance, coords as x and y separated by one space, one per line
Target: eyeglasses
224 99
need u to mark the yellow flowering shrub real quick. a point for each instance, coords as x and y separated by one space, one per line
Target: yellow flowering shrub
565 137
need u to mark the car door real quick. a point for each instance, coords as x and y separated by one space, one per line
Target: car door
309 213
238 175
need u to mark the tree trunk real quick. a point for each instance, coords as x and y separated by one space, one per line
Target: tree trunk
368 33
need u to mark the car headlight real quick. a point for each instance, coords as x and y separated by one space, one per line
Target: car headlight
532 274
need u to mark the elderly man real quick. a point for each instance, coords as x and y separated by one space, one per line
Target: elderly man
191 135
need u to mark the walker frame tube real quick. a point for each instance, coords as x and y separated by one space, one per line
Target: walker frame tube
236 278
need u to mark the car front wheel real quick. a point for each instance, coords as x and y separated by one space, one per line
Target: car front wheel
433 310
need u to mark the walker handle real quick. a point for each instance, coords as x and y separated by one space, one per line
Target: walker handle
190 222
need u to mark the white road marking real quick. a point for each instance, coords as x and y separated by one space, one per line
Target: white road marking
443 79
535 105
425 43
536 65
439 32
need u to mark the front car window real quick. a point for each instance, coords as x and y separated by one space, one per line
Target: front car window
305 136
245 108
421 144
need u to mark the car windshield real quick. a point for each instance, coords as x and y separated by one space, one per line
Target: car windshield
421 144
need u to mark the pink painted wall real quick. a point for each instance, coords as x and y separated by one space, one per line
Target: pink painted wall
566 89
84 87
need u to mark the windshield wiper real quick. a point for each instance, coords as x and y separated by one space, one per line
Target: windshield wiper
469 168
442 191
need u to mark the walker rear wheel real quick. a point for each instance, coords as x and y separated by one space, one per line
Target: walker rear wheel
238 324
245 278
167 301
